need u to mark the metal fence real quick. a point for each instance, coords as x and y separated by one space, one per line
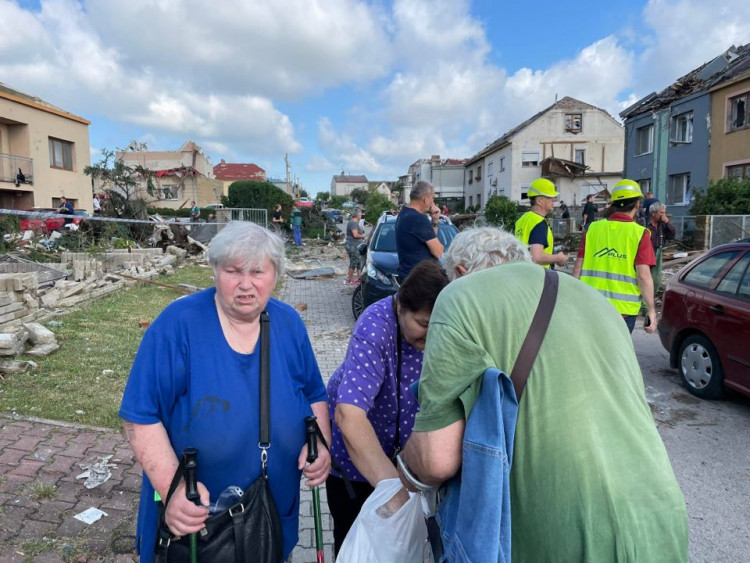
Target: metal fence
16 169
259 216
684 227
728 228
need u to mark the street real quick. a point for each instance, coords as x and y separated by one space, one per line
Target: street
709 445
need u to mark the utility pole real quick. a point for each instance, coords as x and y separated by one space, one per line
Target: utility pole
288 173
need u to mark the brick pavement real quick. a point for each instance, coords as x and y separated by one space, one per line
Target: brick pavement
36 454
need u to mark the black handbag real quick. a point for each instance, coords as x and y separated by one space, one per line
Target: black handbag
248 532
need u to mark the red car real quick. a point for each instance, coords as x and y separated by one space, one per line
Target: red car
46 225
705 324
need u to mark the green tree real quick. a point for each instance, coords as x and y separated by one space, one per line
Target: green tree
359 195
322 196
256 195
303 193
121 183
728 196
501 212
375 204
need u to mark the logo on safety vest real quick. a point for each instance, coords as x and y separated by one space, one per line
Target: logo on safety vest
610 253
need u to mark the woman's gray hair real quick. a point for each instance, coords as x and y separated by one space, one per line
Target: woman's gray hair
248 242
421 189
483 247
657 207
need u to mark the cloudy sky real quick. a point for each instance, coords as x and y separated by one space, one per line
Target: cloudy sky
365 87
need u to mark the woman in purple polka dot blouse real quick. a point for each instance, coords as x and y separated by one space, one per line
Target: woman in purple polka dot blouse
372 420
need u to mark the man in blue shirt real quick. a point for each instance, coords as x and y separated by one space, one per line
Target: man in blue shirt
416 238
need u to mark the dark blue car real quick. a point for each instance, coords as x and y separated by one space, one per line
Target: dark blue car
381 265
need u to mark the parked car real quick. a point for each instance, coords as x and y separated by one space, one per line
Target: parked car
305 202
46 225
378 277
705 324
334 215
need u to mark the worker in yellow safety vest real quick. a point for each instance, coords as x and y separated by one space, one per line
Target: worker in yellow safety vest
532 228
616 255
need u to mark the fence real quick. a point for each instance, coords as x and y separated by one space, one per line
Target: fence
684 227
259 216
728 228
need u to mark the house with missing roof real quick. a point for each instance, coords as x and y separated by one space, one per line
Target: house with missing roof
43 151
181 176
576 145
693 131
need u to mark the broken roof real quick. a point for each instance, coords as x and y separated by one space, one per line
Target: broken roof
566 103
38 103
720 69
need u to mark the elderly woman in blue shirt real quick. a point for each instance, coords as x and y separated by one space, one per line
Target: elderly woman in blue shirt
195 380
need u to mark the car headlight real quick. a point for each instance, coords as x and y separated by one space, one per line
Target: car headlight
376 274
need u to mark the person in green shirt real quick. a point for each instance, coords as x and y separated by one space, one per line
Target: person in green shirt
296 217
590 479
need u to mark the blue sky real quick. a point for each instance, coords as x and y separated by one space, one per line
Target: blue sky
346 85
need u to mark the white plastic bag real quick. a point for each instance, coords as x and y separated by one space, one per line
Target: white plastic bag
399 538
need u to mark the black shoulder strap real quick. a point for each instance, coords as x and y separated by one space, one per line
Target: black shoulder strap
264 439
537 330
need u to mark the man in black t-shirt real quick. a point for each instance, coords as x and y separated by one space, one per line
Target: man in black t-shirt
416 235
589 212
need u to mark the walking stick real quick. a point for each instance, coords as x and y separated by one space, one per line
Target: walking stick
190 459
312 455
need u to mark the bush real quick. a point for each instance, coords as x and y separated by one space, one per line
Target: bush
728 196
257 195
337 201
501 212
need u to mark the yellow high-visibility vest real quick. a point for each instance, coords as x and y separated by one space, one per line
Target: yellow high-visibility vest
609 263
526 224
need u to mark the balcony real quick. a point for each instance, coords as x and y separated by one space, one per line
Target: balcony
17 170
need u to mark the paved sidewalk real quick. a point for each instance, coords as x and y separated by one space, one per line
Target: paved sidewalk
37 522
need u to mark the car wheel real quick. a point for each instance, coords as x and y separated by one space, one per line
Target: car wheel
700 367
358 304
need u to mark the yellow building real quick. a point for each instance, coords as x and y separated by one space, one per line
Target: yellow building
43 151
729 155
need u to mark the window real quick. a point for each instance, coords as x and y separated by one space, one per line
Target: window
580 156
739 171
682 128
524 192
530 158
678 189
60 154
489 168
645 185
479 173
471 201
502 164
738 117
479 200
573 122
644 140
731 282
168 191
704 274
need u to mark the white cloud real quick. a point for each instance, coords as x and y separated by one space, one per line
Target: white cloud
319 163
344 150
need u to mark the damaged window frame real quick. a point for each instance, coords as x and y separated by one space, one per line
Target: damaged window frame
645 185
639 133
681 128
738 113
169 192
574 122
678 184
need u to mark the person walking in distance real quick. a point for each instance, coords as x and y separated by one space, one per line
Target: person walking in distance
355 234
416 235
616 256
532 228
296 225
589 212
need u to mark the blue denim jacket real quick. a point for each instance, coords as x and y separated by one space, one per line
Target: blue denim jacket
475 520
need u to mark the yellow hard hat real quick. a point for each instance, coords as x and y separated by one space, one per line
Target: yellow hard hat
542 187
626 189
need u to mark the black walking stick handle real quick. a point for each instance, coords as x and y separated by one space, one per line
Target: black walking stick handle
190 457
312 439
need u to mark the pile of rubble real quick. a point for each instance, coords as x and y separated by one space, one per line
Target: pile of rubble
29 294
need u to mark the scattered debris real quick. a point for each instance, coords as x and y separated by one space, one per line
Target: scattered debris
301 306
90 515
96 473
316 274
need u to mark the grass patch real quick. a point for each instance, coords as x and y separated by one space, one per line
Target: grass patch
43 491
83 381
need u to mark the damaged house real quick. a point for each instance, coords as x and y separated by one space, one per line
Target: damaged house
576 145
693 131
